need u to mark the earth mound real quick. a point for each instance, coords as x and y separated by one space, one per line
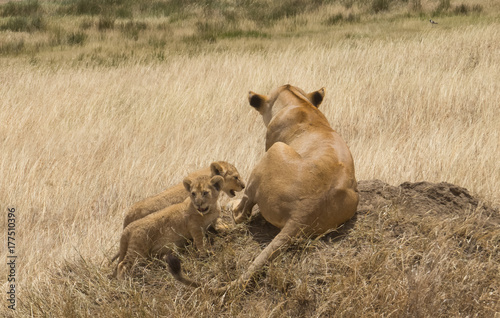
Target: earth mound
437 201
420 198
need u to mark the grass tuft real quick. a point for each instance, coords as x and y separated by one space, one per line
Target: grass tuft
339 18
380 5
20 8
465 9
23 24
106 23
132 29
76 38
15 47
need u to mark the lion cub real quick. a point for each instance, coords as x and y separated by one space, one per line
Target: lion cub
176 194
232 183
157 233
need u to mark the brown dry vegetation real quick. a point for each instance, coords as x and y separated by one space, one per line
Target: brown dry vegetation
85 132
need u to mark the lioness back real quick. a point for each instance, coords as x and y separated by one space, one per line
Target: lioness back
232 183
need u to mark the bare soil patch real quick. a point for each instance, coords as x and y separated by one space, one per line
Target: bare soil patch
420 198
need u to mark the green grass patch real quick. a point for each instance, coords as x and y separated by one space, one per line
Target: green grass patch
12 47
23 24
132 29
339 18
211 31
465 9
20 8
106 23
22 16
185 24
76 38
380 5
243 34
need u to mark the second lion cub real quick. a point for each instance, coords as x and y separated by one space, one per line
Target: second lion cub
157 233
176 194
232 183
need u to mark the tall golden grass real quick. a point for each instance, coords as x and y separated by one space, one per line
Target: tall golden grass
81 144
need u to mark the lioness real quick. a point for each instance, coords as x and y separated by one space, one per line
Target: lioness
305 182
158 232
232 183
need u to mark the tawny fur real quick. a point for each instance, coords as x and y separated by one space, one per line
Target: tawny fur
157 233
174 265
232 183
305 182
176 194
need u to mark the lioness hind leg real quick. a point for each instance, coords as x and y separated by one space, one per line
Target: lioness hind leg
280 241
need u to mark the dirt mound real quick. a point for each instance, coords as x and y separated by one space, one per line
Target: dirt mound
420 198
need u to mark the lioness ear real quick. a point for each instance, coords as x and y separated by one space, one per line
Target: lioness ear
256 100
316 97
217 182
187 184
217 169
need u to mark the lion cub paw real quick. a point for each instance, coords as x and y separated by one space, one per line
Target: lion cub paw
222 227
202 254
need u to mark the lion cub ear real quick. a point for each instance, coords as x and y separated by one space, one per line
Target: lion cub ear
217 182
217 169
188 184
256 100
316 97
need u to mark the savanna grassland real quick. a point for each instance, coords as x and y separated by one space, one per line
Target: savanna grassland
103 103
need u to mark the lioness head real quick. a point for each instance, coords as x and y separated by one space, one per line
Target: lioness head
265 104
232 180
204 191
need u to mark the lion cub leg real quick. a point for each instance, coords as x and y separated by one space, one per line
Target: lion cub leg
129 254
122 270
200 242
126 266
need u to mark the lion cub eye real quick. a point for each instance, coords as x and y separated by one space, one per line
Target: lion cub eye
205 193
235 177
193 193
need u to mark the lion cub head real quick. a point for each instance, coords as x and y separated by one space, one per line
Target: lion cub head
204 192
232 180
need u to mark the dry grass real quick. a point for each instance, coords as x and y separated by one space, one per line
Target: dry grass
81 144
